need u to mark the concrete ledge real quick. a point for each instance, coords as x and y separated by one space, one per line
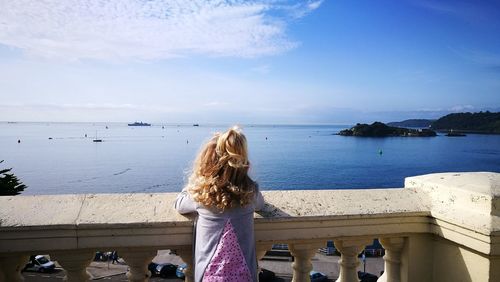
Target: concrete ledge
477 192
465 207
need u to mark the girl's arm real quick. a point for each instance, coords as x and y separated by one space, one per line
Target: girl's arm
258 203
184 204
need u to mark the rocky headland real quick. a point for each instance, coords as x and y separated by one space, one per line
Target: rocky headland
379 129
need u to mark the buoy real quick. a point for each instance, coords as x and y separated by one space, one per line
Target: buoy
380 152
85 135
18 140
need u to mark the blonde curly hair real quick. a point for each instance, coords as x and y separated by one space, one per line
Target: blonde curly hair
220 172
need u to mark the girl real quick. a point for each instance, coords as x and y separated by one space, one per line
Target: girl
225 198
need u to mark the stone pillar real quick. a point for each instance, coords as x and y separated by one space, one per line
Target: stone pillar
186 255
349 261
75 264
138 260
392 258
11 266
260 252
261 249
302 265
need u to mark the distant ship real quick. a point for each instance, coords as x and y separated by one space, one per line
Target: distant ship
96 139
196 124
139 124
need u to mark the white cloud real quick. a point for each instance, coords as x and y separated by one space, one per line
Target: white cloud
314 5
215 104
147 30
88 106
302 8
462 108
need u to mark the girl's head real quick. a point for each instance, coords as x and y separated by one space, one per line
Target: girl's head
220 173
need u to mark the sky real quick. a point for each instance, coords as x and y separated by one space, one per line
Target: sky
268 62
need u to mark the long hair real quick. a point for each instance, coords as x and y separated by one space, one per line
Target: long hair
220 172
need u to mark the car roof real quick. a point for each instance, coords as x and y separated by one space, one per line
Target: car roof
314 272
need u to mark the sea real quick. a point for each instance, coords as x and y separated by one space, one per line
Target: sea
61 158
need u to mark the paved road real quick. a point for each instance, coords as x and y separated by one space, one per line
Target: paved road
58 276
43 277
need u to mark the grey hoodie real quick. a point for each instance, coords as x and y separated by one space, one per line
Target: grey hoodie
211 222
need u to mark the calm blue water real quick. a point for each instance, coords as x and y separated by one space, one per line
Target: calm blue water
152 159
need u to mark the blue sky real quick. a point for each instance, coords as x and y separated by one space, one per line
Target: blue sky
247 61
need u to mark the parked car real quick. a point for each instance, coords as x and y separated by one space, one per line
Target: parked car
181 269
279 252
266 275
316 276
375 249
164 270
329 250
39 263
102 256
367 277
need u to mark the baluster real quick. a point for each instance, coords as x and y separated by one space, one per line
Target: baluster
349 261
75 264
302 265
186 255
261 249
260 252
138 261
392 258
11 266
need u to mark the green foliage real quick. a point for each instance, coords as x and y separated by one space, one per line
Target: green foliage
9 183
482 122
412 123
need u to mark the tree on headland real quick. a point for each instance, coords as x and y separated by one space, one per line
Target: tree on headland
9 183
482 122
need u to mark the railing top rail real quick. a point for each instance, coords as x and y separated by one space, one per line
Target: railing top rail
56 211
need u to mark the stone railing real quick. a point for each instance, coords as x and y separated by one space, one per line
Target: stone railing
440 227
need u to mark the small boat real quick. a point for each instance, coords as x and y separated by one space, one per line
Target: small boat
455 134
139 124
196 124
95 139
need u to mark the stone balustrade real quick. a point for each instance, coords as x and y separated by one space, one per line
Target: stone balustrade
440 227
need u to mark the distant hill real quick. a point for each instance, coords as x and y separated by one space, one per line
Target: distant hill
482 122
379 129
412 123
